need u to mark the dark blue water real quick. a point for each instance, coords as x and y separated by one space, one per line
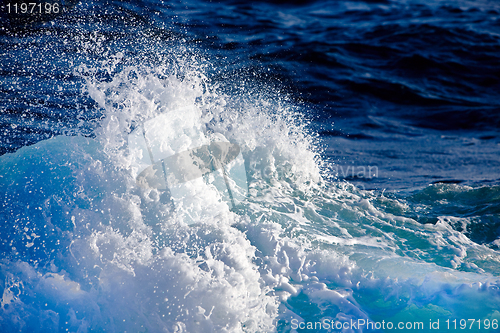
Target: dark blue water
371 135
369 72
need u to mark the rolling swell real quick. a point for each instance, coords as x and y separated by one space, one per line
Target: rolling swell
415 56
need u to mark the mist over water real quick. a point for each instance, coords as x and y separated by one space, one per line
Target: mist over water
371 190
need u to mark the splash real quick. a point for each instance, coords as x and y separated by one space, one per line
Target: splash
86 248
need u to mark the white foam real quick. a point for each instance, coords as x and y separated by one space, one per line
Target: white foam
110 255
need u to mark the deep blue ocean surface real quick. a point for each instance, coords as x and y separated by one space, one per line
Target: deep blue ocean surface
360 191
